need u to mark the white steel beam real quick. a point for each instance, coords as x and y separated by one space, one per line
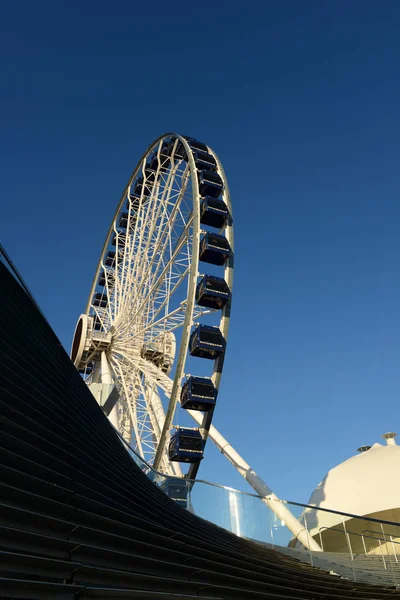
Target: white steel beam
268 496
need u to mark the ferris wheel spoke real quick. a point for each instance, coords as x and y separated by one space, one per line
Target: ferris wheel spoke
135 255
162 297
108 278
161 277
124 250
160 249
139 413
156 415
149 422
99 314
172 321
139 259
163 202
164 233
130 405
163 300
133 360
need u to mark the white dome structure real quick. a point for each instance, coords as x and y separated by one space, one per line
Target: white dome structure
367 485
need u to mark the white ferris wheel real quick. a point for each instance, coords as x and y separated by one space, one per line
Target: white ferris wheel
151 310
152 341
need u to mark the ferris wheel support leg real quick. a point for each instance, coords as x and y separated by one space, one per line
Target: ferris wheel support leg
269 498
106 377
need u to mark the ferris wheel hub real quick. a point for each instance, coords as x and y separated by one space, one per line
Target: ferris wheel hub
88 344
88 341
161 352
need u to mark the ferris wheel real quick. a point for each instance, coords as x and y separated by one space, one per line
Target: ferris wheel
151 314
152 341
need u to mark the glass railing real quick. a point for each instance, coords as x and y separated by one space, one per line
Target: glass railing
366 549
241 513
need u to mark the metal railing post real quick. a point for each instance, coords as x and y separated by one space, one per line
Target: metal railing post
350 549
187 494
388 557
363 543
320 539
308 537
394 549
271 529
383 557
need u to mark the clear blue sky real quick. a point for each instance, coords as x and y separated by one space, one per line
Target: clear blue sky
301 102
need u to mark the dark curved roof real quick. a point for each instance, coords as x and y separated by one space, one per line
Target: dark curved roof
78 517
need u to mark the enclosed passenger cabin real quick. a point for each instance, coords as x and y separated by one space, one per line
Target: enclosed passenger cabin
176 489
207 342
195 144
186 445
150 171
123 220
110 259
133 202
141 188
96 323
102 279
120 238
214 249
213 212
152 164
212 292
204 161
100 299
198 393
180 152
210 184
165 155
